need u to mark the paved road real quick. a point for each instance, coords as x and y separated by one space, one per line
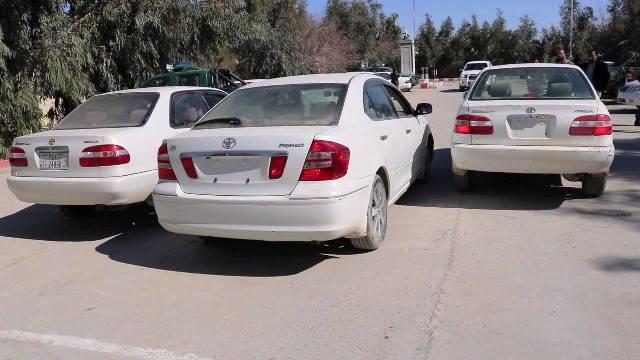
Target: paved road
515 270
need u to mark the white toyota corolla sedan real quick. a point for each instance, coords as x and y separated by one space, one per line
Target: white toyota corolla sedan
305 158
537 119
104 151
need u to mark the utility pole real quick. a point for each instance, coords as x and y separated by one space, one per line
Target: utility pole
414 19
570 33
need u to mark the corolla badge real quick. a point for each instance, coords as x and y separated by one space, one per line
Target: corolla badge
229 143
52 141
531 110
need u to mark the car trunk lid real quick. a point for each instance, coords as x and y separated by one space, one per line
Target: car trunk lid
236 161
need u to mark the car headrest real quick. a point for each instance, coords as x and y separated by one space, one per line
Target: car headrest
560 89
500 90
137 116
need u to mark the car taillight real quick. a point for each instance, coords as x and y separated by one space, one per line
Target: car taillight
473 124
591 125
189 167
18 157
104 155
326 160
165 171
276 166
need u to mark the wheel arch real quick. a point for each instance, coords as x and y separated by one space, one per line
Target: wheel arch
384 175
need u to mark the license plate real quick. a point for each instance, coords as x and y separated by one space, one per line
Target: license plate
530 126
54 161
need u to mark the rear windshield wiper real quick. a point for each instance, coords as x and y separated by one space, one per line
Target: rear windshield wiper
229 120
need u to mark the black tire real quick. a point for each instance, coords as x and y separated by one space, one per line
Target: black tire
462 182
376 218
637 122
594 185
425 173
77 211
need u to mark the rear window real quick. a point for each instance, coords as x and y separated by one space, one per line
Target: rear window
283 105
110 111
535 83
476 66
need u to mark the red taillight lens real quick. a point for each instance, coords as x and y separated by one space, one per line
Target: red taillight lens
165 171
326 160
473 124
189 167
18 157
276 166
591 125
104 155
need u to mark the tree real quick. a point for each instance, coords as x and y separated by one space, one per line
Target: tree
427 50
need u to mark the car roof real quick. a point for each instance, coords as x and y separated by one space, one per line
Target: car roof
339 78
161 89
532 65
479 62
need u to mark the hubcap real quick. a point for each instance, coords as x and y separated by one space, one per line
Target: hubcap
379 211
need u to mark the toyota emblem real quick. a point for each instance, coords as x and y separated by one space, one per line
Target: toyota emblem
52 141
229 143
531 110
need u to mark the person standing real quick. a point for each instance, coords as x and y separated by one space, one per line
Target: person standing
597 72
630 75
394 78
561 57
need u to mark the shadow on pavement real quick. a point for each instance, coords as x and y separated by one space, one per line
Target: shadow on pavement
493 191
456 90
626 164
618 264
158 249
45 222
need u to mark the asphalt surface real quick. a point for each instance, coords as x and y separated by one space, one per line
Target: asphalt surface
517 269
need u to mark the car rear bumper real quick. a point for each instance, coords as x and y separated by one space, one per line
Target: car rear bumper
532 159
269 218
628 99
119 190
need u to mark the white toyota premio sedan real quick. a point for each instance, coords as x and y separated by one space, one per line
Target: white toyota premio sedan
104 151
305 158
537 119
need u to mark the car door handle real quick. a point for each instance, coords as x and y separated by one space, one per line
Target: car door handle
383 137
408 131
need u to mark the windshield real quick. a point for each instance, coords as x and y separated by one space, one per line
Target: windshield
531 84
476 66
283 105
109 111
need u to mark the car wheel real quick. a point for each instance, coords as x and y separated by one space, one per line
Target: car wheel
425 173
594 184
77 211
462 180
376 218
637 122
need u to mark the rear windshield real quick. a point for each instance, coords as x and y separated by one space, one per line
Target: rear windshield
535 83
283 105
110 111
476 66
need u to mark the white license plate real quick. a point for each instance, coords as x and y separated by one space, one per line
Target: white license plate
54 161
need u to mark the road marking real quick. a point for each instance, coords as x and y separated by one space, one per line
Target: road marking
94 345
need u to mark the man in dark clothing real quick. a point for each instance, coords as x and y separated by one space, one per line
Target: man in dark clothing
597 72
394 78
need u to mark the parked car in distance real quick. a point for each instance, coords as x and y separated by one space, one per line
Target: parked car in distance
104 151
537 119
405 82
304 158
470 72
629 94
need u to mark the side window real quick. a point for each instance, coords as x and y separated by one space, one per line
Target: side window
189 80
160 81
401 105
186 109
369 107
212 98
380 101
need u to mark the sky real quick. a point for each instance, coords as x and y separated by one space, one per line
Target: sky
543 12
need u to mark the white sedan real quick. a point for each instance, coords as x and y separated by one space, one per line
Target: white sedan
306 158
104 151
537 119
629 94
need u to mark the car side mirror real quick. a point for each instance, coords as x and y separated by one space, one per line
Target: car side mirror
424 109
